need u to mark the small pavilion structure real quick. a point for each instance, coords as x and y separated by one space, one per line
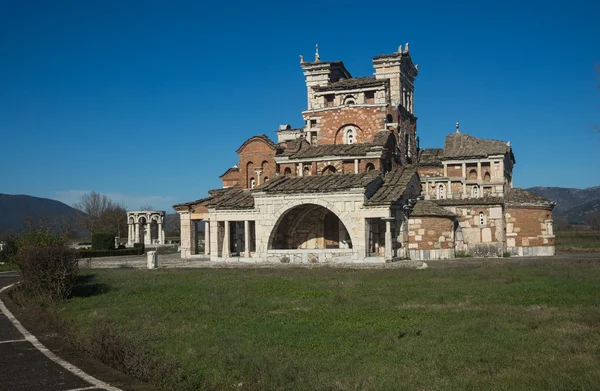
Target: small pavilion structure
146 226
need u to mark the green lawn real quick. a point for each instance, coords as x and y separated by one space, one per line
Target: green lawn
508 327
578 240
4 267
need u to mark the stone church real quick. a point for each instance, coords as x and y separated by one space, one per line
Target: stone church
353 184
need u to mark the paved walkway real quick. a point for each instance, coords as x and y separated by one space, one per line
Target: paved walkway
27 363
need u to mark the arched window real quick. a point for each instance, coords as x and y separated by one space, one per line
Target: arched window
475 191
441 194
349 100
252 183
306 171
266 179
350 136
486 177
481 218
473 174
287 171
370 167
329 170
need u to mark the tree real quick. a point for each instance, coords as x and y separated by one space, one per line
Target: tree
99 213
593 219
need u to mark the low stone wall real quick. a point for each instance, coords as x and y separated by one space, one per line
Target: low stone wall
422 255
310 256
483 250
535 251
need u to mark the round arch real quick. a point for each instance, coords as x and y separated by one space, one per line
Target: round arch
340 134
344 219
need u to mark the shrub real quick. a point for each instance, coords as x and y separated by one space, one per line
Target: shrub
462 254
140 246
110 253
506 254
48 271
103 241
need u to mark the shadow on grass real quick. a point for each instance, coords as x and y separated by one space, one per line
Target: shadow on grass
86 287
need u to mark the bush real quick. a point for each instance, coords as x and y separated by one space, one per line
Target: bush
110 253
140 246
103 241
48 271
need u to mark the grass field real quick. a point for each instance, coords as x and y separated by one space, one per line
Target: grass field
503 326
577 240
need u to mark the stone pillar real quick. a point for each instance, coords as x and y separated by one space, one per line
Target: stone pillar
258 174
226 244
479 170
464 170
356 166
194 246
247 239
186 234
388 254
206 238
301 169
137 232
449 190
445 170
161 234
152 260
129 235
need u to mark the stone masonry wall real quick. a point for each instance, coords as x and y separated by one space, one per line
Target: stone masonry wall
369 120
476 238
231 179
529 227
430 233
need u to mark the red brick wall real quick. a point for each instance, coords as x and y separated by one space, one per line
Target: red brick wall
453 171
252 157
430 171
231 178
528 224
369 120
426 233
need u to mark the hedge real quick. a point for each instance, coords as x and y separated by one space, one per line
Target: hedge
109 253
103 241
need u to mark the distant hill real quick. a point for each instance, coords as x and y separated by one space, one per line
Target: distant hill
18 212
571 204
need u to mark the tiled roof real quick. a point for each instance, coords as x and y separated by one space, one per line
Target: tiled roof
519 196
470 201
429 208
312 151
293 146
319 183
431 157
459 145
394 186
382 137
235 199
356 82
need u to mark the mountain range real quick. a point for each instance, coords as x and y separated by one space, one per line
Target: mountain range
572 205
22 212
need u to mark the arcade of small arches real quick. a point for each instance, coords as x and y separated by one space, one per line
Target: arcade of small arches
146 227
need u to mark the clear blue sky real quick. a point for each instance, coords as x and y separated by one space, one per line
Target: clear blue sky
148 101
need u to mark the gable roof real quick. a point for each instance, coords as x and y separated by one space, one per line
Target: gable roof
429 208
518 196
320 183
459 145
230 170
353 83
431 157
393 187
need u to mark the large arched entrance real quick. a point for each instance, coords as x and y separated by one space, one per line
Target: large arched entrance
309 226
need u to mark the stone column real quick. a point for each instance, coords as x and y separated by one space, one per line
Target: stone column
445 170
301 169
226 244
258 174
129 235
449 190
388 237
479 170
247 239
137 232
206 238
161 234
464 170
356 166
186 234
148 233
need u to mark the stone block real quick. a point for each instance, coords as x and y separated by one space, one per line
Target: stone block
509 227
418 221
464 224
421 231
441 239
486 235
413 245
517 229
511 242
431 232
437 245
525 242
471 235
152 260
418 237
495 213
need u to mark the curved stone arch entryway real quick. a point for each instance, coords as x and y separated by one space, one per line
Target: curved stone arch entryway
312 226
